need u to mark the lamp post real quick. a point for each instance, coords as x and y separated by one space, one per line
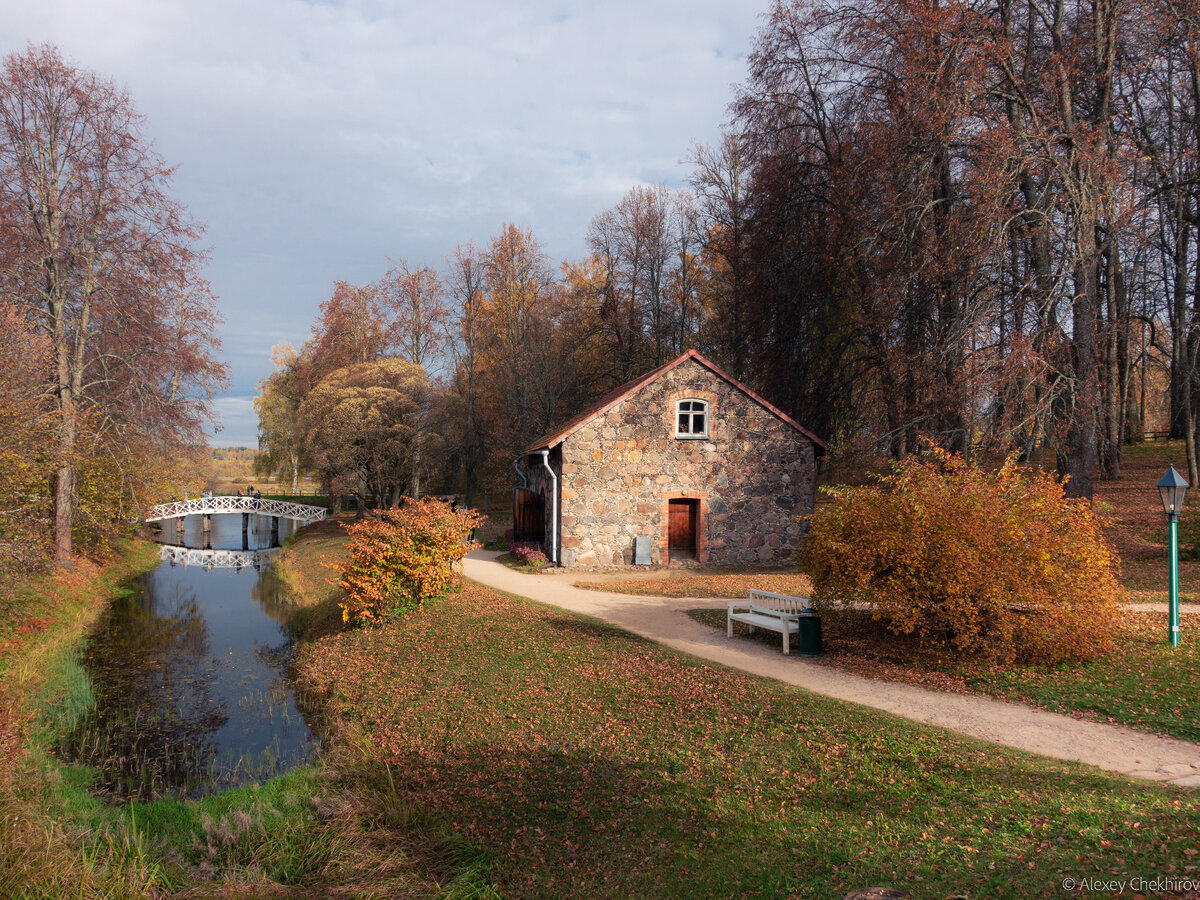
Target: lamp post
1172 487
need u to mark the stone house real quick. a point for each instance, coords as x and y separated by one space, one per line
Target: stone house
684 456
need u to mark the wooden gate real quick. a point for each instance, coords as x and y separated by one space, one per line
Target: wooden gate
529 516
681 529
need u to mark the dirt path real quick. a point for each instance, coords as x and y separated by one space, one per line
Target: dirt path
665 621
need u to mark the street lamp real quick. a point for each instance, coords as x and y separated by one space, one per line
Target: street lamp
1172 487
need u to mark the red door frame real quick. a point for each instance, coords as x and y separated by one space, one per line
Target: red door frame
683 528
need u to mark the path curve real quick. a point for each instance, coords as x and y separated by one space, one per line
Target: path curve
664 620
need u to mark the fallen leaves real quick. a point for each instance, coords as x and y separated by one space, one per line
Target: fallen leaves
591 763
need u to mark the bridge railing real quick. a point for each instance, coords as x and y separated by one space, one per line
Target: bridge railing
225 505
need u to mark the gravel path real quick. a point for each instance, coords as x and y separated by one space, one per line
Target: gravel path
665 621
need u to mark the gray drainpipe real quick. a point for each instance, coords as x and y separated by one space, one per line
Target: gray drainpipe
553 507
517 466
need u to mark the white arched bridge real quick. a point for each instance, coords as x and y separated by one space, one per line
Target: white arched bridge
224 505
216 559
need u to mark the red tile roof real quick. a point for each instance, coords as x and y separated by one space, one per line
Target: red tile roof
611 399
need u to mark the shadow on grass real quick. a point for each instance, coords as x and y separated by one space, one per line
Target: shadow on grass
589 767
853 633
570 820
570 823
323 619
592 630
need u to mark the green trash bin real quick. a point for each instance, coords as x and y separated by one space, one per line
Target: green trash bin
808 638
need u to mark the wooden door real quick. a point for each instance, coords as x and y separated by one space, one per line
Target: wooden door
681 529
529 516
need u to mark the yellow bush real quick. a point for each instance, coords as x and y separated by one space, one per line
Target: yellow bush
998 563
402 557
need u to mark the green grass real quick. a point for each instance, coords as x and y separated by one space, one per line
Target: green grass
338 825
708 581
1144 684
43 611
315 828
591 763
307 499
507 559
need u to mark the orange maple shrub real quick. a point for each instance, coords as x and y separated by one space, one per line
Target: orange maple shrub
403 557
994 563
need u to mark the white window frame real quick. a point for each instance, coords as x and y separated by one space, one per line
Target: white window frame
696 407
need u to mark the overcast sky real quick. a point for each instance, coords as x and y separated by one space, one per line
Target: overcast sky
316 139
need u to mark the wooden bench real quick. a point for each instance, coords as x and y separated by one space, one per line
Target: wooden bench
774 612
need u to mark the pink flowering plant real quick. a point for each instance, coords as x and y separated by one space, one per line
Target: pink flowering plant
529 555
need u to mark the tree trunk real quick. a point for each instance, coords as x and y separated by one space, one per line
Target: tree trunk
471 449
69 377
1189 423
1181 374
1081 440
1114 407
64 489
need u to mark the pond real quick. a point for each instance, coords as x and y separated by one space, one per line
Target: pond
189 675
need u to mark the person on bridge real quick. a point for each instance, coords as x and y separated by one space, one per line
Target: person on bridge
257 499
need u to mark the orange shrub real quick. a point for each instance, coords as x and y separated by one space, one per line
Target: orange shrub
403 557
995 563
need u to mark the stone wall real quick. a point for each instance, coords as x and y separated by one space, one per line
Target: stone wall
753 477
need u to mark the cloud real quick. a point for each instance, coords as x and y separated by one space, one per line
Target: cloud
316 139
237 421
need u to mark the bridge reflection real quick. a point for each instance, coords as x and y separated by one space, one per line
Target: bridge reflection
206 559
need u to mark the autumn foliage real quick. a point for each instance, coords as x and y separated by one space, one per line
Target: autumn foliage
993 563
104 267
403 557
26 456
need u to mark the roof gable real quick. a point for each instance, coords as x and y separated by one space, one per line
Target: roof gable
611 399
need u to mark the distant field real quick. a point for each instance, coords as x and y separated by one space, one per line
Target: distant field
233 468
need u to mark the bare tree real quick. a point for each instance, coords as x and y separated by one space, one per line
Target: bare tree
465 285
94 246
413 298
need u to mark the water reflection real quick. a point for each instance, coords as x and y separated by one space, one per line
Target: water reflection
190 675
209 559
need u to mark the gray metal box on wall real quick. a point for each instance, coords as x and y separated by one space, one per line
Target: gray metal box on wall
641 551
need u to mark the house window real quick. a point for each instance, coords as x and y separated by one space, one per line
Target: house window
691 419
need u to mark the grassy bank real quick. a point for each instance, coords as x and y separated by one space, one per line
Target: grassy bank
1144 684
706 582
590 763
44 806
43 619
303 568
335 829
